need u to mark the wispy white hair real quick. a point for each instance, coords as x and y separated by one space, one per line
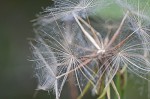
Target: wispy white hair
64 9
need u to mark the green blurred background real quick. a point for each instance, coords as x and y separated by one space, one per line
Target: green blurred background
16 72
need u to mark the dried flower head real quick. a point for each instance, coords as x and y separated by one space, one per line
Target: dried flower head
67 44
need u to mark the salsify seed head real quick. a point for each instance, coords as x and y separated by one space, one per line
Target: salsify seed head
66 44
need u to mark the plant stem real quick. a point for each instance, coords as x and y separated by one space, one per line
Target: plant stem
73 88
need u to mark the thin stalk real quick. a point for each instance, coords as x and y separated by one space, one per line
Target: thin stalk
123 41
103 93
115 89
108 92
86 33
121 81
118 30
87 87
92 29
73 88
56 90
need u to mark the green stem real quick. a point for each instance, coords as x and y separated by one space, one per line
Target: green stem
121 81
85 90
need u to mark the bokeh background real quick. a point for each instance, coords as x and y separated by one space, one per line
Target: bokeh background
16 72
